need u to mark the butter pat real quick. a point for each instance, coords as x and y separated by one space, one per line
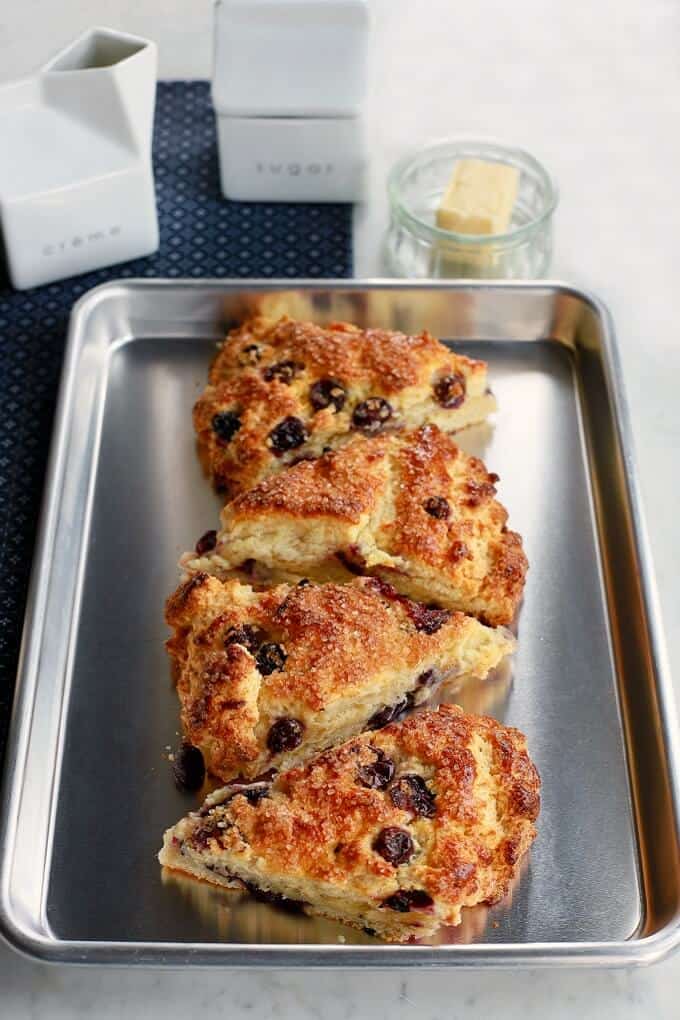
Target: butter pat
480 198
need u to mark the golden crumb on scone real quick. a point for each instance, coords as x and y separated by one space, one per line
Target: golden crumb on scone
266 679
395 831
409 507
281 389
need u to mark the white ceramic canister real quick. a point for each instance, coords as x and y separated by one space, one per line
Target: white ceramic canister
288 84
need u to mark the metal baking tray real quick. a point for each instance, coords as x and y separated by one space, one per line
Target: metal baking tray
88 791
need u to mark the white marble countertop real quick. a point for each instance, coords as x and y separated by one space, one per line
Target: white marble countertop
593 90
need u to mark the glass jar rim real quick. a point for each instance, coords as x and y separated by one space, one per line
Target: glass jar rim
430 231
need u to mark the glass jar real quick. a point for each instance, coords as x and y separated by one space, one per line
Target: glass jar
416 247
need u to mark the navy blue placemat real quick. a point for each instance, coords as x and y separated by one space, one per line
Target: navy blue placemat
200 235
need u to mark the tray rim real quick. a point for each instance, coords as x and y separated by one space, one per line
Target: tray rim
646 950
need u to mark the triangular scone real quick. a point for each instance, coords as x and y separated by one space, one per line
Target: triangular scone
411 508
266 679
395 831
280 390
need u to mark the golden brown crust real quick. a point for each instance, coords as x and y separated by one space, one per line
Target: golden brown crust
265 372
411 508
343 485
347 651
474 534
319 833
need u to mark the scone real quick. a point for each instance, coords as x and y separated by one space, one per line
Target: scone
410 507
280 390
266 679
395 831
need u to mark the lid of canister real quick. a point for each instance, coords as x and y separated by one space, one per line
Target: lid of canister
289 57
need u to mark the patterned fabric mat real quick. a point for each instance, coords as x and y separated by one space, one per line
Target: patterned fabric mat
200 235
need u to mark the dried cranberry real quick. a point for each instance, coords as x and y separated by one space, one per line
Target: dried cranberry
326 392
379 773
438 507
285 735
254 794
275 899
303 458
458 551
226 424
371 414
352 561
394 845
427 618
288 435
429 678
386 715
250 355
211 827
188 768
206 543
284 371
408 899
449 391
386 590
245 635
270 658
479 492
411 793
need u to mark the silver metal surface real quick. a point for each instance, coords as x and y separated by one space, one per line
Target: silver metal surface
88 792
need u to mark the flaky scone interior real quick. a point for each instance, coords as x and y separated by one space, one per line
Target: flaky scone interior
281 389
268 678
410 508
395 831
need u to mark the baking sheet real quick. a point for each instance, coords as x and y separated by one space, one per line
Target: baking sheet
90 791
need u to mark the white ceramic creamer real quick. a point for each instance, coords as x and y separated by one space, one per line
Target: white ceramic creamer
76 181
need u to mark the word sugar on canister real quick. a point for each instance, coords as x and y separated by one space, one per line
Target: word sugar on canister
288 84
